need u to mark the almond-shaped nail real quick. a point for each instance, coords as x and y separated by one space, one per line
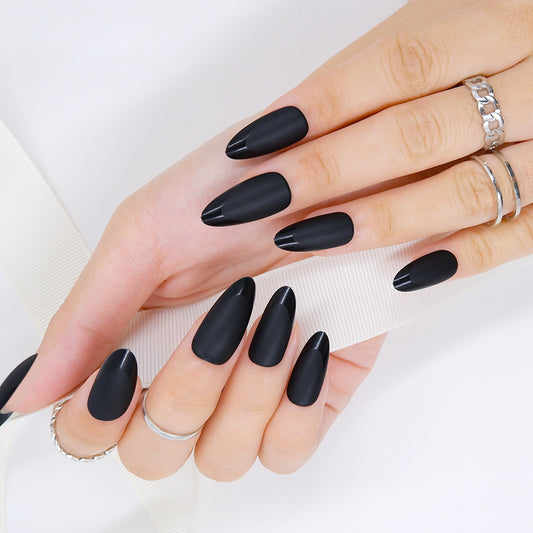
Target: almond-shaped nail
114 386
11 383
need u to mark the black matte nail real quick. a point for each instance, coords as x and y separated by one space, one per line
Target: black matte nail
11 383
253 199
269 133
222 329
274 329
114 386
426 271
318 233
309 371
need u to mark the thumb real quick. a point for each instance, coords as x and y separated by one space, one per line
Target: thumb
121 274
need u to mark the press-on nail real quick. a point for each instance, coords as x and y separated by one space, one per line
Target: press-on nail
269 133
309 371
222 329
318 233
426 271
114 386
253 199
274 329
12 382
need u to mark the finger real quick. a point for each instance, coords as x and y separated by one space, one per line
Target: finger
100 305
459 197
469 252
95 418
348 368
186 391
398 141
405 65
231 438
292 434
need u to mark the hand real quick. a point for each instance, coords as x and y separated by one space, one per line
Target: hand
155 251
232 386
393 110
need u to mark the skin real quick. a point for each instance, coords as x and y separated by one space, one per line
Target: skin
143 259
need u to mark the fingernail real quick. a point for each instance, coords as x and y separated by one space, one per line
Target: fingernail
426 271
318 233
274 329
309 371
269 133
11 383
114 386
222 329
253 199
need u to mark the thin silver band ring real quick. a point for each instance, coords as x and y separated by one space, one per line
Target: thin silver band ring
514 183
161 432
66 453
497 189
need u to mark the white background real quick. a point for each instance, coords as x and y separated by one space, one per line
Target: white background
105 95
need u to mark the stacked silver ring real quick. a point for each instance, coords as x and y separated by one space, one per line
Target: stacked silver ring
493 126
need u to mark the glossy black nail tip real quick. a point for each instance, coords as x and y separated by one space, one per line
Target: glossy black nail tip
114 386
11 383
428 270
309 371
269 133
318 233
253 199
222 329
274 329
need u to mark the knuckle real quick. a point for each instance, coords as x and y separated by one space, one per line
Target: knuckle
420 134
480 253
471 192
292 442
379 219
319 170
415 62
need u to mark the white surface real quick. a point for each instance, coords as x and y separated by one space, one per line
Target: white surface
103 98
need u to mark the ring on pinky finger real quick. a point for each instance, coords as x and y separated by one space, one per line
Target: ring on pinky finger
469 252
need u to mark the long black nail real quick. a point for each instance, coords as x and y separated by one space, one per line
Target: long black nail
11 383
114 386
253 199
318 233
222 329
269 133
309 371
274 329
426 271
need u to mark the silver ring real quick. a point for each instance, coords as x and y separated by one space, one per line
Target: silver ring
62 450
514 183
497 189
161 432
492 119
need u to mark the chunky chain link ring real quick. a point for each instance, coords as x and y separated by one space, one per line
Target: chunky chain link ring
492 118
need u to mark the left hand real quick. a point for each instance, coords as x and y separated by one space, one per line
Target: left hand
381 135
241 402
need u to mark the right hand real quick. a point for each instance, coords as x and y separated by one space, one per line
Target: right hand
156 251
